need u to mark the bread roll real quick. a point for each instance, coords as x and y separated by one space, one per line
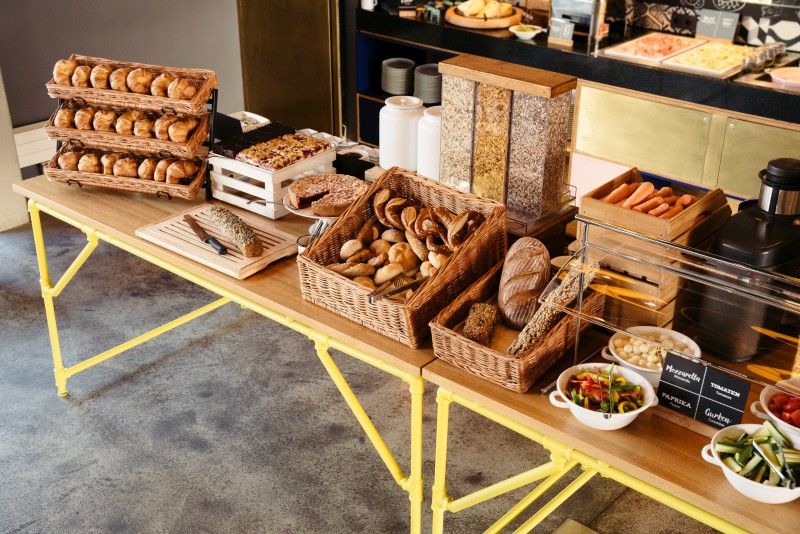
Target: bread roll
403 254
84 118
104 120
525 274
139 81
90 163
108 161
349 248
125 122
80 77
65 118
62 71
69 160
387 272
99 76
181 88
179 170
147 168
160 85
162 126
126 168
118 80
143 127
180 131
237 231
161 169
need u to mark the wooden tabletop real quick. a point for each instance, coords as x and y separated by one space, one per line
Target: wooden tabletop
277 287
651 449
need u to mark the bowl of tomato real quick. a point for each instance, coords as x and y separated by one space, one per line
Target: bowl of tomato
603 396
780 404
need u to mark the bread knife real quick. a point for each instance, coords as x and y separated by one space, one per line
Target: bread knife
204 237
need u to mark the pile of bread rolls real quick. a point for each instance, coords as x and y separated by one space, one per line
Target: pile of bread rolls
169 170
645 198
403 241
134 122
139 80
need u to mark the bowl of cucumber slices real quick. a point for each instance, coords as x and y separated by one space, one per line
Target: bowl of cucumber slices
759 461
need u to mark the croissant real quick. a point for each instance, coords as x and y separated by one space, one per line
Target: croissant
139 81
80 77
162 126
84 118
161 84
125 122
99 76
160 174
127 168
180 170
143 127
108 161
104 120
179 131
69 160
62 71
119 79
181 88
65 118
147 168
90 163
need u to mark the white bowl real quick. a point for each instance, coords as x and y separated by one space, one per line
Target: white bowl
526 36
759 407
745 486
597 420
652 375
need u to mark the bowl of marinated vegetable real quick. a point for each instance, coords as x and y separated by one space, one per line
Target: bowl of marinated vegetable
759 461
643 349
603 396
781 405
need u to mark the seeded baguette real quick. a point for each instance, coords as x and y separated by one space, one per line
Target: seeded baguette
237 231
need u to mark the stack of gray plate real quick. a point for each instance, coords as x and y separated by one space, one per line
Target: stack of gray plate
428 83
397 76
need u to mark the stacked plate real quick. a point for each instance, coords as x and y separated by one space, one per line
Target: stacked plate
428 83
397 76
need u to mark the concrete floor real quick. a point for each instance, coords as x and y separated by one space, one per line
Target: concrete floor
228 424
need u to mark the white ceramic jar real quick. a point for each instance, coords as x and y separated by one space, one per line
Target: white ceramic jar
429 142
397 133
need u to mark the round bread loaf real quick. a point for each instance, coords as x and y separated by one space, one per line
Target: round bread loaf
525 274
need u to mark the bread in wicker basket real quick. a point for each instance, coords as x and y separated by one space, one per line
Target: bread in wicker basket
517 373
405 321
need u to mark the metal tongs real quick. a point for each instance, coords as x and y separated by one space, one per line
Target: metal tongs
393 289
791 483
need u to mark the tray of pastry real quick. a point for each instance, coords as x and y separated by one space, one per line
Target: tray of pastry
231 146
652 48
75 164
120 129
121 84
720 60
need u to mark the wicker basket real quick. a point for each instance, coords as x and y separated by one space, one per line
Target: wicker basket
517 373
204 80
124 143
187 191
406 321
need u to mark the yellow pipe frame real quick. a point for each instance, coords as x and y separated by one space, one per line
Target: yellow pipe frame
412 483
561 455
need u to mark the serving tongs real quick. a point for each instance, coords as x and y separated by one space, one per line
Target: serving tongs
791 483
393 289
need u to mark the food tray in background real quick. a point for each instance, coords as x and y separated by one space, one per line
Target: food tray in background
124 143
720 60
204 80
231 146
517 373
186 191
648 49
175 234
248 120
405 321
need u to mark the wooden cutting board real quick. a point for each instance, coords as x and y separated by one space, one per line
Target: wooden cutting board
174 234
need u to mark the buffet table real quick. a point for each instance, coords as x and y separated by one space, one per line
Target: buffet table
654 456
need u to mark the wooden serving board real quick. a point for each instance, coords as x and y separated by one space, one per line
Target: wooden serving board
479 23
174 234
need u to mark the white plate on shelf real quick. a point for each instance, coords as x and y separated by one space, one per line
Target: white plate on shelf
708 49
633 50
787 76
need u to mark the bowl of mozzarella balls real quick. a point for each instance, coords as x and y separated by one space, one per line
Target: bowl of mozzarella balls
643 349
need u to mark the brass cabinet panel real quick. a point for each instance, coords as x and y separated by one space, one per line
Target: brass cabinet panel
747 149
653 136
